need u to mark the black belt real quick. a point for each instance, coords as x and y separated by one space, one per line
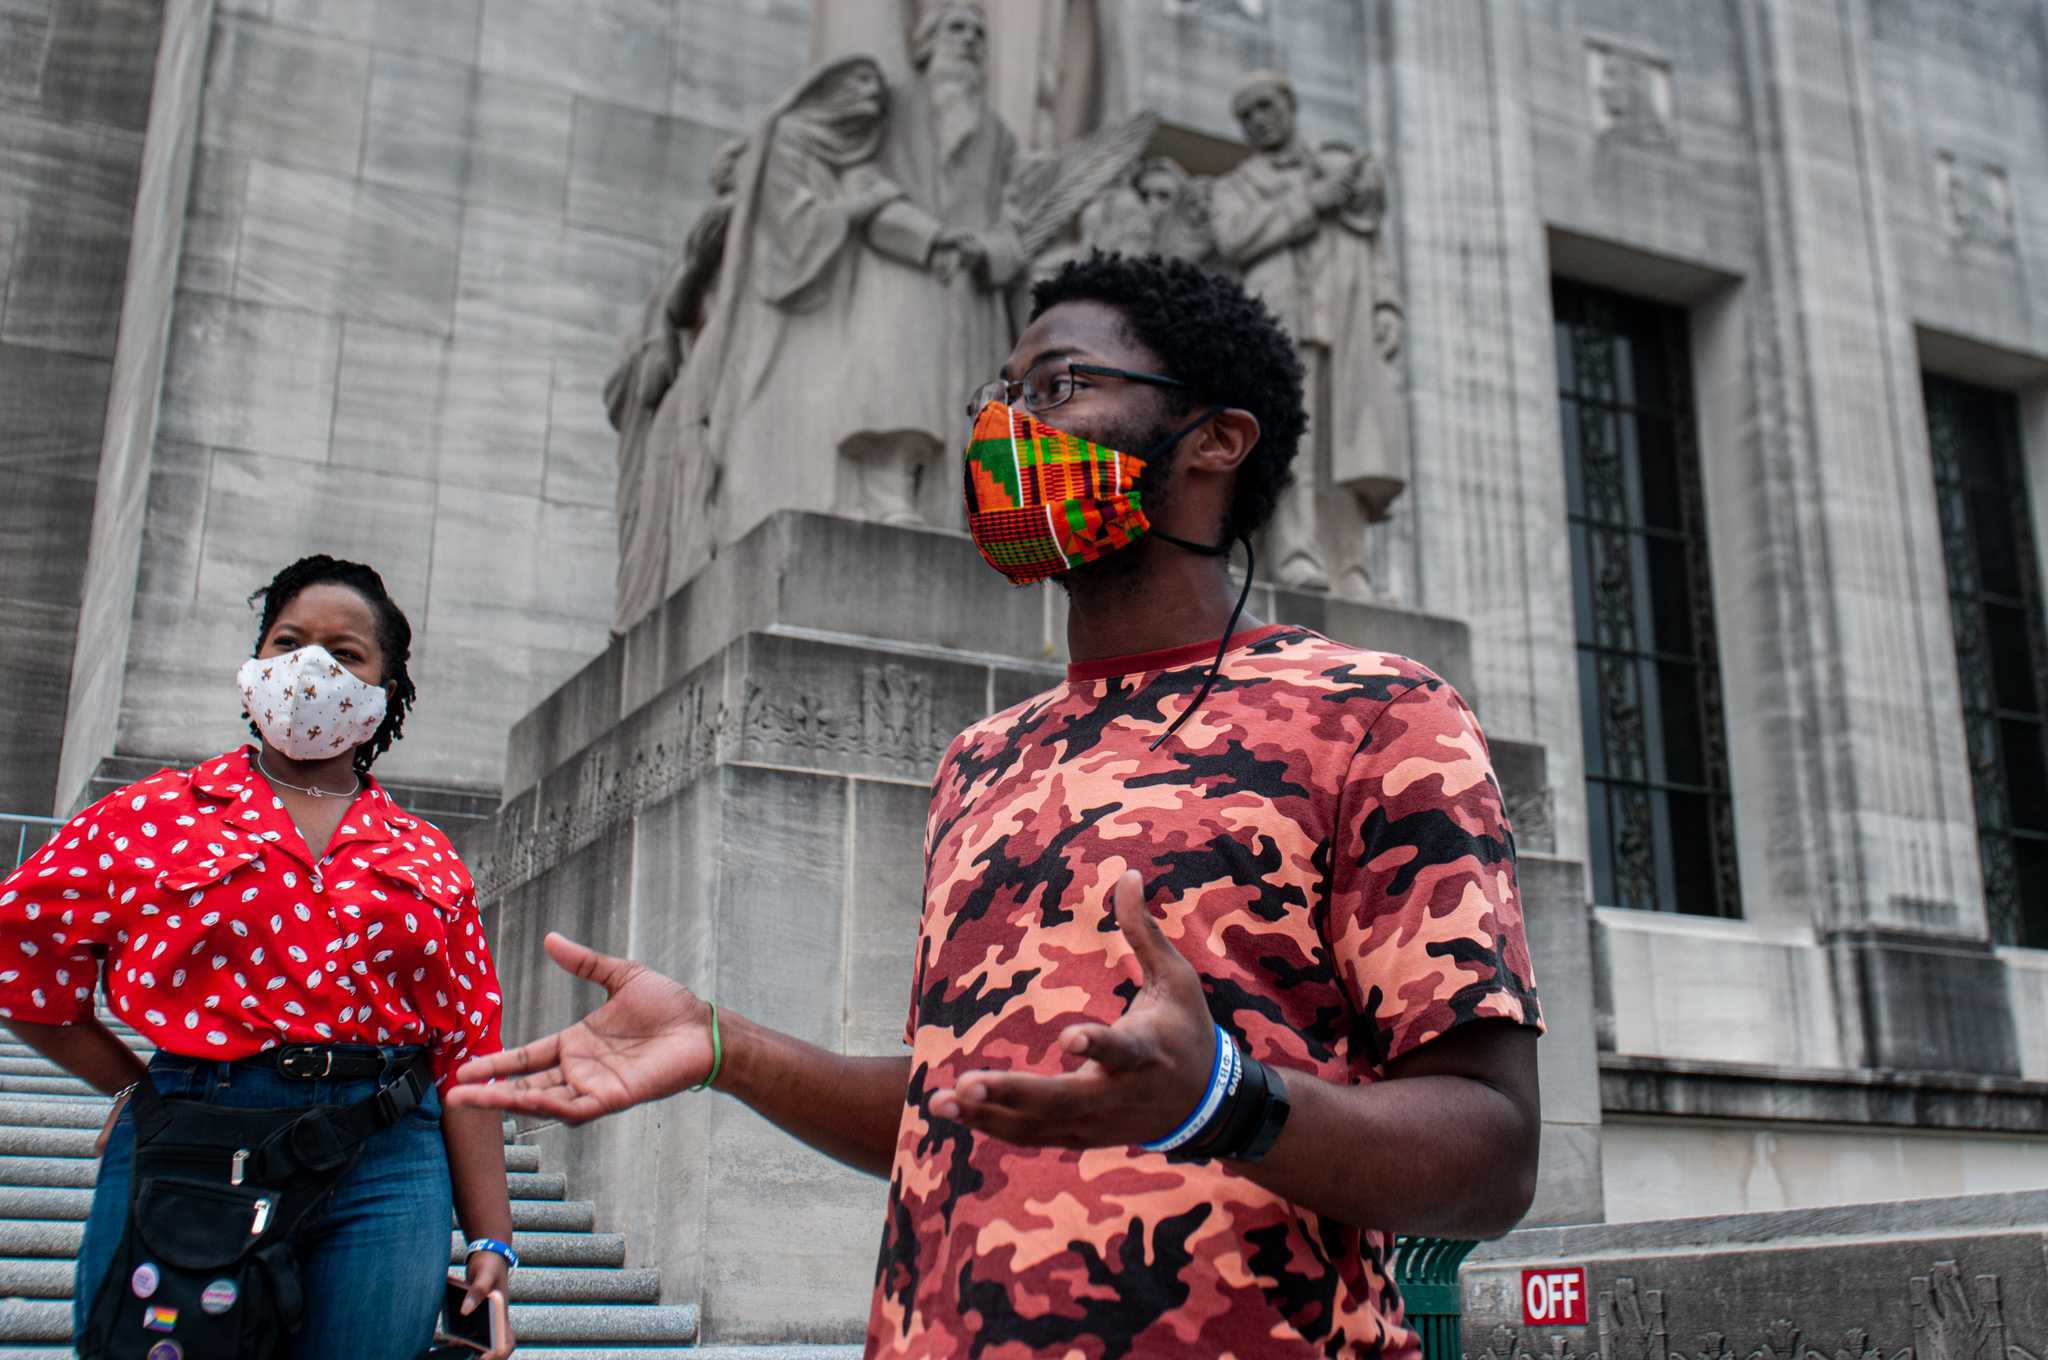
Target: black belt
312 1062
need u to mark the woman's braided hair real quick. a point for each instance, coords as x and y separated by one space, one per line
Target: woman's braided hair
394 637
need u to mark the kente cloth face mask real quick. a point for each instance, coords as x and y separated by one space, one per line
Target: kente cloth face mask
1041 501
308 705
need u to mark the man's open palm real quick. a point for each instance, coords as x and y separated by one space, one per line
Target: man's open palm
651 1039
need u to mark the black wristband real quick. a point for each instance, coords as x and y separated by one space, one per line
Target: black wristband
1245 1128
1273 1114
1245 1093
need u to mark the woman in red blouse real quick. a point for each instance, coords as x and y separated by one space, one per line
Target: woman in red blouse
284 933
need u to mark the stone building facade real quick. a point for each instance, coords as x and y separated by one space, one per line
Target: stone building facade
1726 371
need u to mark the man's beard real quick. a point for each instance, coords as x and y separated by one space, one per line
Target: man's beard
1121 569
957 105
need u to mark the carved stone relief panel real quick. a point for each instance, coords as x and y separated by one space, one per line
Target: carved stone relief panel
1631 94
1975 200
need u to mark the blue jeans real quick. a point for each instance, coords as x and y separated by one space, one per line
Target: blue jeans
372 1258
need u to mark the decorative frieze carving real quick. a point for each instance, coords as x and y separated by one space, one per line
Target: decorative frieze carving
1631 94
887 720
1632 1323
1956 1321
1953 1317
892 722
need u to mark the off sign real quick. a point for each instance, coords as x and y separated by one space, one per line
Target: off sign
1554 1297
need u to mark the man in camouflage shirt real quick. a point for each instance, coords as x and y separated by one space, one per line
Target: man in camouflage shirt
1299 839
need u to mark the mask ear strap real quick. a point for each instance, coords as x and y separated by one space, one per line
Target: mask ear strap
1182 433
1222 648
1205 549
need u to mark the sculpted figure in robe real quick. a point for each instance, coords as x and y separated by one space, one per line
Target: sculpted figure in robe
818 235
1305 227
928 331
652 357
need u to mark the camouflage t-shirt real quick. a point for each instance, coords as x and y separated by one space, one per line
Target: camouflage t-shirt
1326 842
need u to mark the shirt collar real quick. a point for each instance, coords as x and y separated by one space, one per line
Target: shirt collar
1166 658
372 815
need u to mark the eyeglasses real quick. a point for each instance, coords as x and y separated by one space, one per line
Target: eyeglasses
1048 386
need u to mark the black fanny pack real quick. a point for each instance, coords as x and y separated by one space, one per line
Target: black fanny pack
206 1266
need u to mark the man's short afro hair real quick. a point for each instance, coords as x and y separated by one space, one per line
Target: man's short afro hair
1225 344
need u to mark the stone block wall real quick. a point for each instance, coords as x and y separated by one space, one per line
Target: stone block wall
415 238
75 79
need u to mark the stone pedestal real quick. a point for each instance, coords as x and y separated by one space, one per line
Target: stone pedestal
1937 1279
735 794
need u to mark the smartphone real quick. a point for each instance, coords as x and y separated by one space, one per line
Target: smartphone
481 1333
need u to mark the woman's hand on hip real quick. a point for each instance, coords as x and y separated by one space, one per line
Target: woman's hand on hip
650 1039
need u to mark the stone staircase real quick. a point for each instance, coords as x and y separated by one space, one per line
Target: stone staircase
574 1294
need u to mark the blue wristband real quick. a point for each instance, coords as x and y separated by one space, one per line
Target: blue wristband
503 1249
1223 1076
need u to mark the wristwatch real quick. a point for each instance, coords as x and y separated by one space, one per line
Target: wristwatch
1272 1118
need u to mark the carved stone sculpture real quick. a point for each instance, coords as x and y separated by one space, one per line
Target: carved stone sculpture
925 332
1158 208
853 283
652 357
755 417
1306 228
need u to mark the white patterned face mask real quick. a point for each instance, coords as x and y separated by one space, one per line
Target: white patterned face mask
308 705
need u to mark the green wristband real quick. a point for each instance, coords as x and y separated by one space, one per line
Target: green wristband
717 1053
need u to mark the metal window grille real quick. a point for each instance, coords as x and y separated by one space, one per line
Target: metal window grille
1661 827
1995 611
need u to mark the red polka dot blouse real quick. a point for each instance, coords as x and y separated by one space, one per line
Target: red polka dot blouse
223 935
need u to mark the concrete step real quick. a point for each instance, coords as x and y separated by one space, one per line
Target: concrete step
35 1320
28 1278
528 1185
28 1237
539 1215
45 1084
549 1249
543 1323
522 1157
75 1172
25 1065
55 1114
544 1285
15 1048
47 1203
17 1140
